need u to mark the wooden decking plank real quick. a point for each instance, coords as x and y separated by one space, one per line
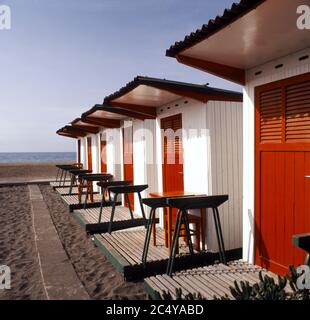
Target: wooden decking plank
170 286
201 288
125 252
162 286
128 244
118 250
151 286
221 287
125 247
205 284
178 284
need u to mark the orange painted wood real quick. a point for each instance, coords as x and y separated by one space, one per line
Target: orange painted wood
89 153
128 159
282 160
103 155
79 151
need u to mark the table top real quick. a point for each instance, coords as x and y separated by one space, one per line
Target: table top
96 176
173 194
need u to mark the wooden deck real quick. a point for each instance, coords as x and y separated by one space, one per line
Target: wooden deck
89 219
65 191
124 249
210 281
73 201
55 184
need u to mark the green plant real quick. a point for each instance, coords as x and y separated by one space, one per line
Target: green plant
266 289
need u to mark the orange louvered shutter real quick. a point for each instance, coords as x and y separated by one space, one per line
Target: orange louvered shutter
297 112
270 116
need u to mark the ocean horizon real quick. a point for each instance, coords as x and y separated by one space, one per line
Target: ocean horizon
21 157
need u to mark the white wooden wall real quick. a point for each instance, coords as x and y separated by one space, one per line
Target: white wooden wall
83 152
225 169
114 152
145 167
292 66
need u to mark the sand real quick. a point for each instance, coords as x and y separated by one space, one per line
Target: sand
18 172
17 247
98 275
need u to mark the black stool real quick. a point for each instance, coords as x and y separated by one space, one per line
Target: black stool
153 203
93 177
104 185
190 203
116 190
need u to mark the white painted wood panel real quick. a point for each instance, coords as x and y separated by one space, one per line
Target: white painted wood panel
225 144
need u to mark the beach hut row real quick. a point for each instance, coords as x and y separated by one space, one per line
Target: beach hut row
254 148
124 137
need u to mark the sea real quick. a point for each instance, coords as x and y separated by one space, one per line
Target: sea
24 157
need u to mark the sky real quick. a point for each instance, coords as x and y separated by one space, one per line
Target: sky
63 56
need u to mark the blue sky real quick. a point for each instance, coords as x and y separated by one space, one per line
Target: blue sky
63 56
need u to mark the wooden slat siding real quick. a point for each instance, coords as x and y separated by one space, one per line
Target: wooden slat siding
209 281
224 120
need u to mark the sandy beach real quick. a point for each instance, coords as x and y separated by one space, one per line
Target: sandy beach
19 172
17 246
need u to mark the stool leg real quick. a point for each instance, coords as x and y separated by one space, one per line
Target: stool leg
188 234
101 208
64 182
57 174
154 229
71 184
60 179
148 236
129 205
141 206
112 213
91 189
86 196
220 235
221 254
174 243
197 244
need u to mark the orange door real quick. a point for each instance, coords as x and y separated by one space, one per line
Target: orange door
89 154
103 155
173 154
282 193
128 159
